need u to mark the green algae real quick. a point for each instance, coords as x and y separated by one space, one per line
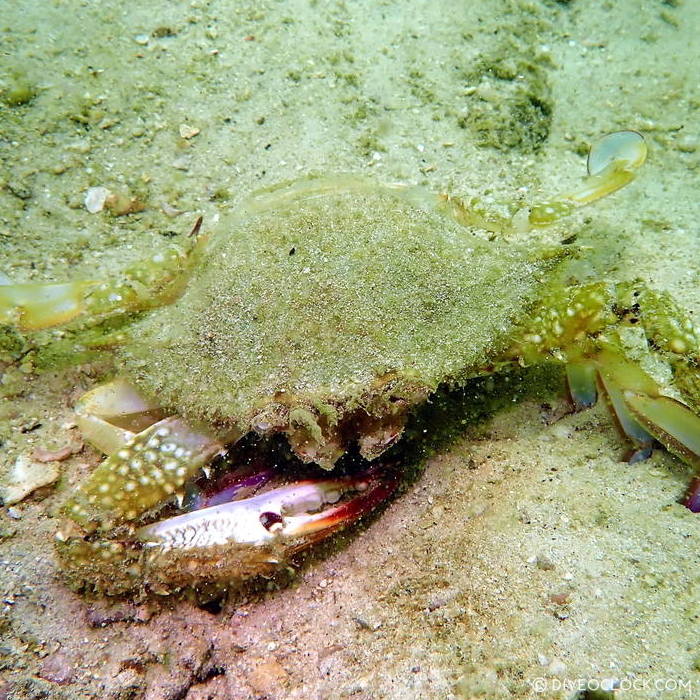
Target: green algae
511 107
19 93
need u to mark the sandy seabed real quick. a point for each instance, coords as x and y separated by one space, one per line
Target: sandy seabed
527 560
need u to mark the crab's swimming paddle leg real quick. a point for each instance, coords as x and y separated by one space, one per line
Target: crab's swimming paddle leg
612 163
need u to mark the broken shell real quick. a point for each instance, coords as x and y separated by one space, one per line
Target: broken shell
24 477
170 210
95 199
41 454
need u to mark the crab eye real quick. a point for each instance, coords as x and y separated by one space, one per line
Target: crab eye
627 148
271 521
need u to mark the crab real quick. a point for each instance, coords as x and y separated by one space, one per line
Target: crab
332 309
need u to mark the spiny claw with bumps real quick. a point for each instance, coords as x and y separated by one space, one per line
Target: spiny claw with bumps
152 460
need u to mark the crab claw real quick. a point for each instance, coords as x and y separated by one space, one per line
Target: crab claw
224 543
281 521
111 415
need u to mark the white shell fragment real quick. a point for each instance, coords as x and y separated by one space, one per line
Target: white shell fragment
169 210
95 199
25 476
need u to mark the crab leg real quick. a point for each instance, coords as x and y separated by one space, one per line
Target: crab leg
644 414
671 422
154 282
31 307
581 377
692 499
593 329
638 436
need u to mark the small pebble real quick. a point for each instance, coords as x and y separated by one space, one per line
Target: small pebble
103 614
268 678
560 598
120 204
187 131
688 143
18 94
170 210
436 603
57 668
544 562
556 667
19 189
42 455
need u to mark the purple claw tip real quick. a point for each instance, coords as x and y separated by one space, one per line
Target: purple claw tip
692 500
